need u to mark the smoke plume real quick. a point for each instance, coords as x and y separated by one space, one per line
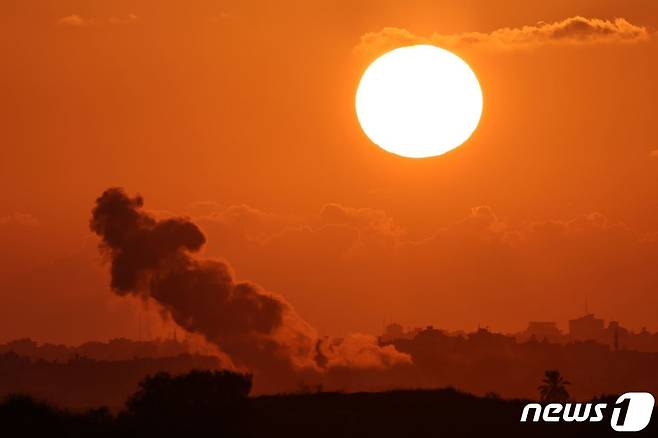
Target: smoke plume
258 329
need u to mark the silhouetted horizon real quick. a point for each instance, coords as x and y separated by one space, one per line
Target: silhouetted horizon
437 358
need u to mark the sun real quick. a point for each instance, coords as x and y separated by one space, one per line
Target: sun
419 101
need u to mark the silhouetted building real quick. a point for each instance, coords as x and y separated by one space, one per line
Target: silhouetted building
586 328
616 335
484 340
395 331
391 332
542 330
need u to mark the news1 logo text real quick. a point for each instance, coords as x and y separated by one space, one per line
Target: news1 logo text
630 413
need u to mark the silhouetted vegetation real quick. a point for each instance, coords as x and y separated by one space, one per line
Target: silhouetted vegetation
553 388
207 400
23 416
207 403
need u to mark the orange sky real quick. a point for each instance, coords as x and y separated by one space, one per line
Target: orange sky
241 115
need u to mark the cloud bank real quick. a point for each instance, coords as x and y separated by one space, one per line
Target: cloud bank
465 272
570 31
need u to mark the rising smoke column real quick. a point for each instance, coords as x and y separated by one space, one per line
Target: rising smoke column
153 258
258 329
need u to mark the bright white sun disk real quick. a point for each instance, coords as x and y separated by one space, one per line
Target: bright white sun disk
419 101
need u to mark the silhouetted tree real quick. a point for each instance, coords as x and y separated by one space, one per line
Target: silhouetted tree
193 402
553 387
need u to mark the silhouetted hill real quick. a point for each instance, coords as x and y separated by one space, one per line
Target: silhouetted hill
410 413
204 403
26 417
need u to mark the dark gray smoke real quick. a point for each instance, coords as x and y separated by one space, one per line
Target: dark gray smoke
257 329
153 258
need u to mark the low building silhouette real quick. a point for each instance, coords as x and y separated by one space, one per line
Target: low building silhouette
542 330
586 328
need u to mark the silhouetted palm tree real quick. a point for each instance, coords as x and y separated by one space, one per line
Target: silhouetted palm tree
553 387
